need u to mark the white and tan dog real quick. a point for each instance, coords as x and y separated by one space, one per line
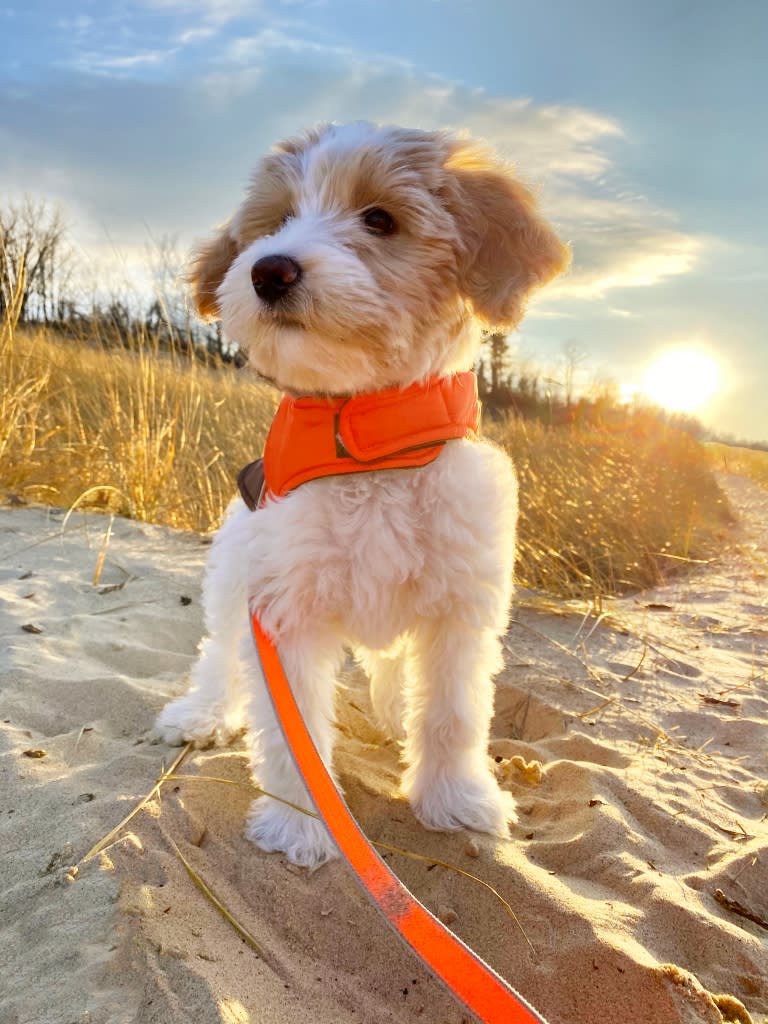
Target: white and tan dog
380 252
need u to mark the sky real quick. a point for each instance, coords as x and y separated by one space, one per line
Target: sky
642 127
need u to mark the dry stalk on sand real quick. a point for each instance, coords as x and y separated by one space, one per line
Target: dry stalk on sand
170 774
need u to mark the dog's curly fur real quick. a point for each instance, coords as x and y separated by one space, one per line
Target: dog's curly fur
412 568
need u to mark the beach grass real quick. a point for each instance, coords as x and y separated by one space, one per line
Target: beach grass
159 436
605 512
751 462
154 435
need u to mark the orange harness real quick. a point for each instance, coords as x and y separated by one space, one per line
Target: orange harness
391 429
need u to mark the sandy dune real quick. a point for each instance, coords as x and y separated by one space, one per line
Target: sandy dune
650 724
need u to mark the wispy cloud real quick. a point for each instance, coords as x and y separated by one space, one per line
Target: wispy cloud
216 12
106 63
195 35
622 241
640 258
274 39
331 82
79 23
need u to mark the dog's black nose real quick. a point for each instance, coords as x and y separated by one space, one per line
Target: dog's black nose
273 276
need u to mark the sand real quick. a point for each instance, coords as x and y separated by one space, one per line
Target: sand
648 721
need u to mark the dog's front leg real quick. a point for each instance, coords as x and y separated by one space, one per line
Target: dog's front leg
449 704
212 711
310 662
387 671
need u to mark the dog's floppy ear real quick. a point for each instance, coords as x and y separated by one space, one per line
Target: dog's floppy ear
507 250
209 264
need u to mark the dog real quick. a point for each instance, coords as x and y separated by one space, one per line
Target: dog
365 260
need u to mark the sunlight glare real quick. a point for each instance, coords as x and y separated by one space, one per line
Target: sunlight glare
682 380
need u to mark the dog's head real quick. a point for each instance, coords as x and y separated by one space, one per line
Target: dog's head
365 257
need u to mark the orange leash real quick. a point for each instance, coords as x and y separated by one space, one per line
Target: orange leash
465 974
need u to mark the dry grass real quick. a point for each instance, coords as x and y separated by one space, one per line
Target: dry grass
606 512
746 461
154 436
160 438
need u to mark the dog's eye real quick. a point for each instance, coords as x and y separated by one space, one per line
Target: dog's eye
379 221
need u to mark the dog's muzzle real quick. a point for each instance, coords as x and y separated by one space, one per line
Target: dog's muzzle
274 276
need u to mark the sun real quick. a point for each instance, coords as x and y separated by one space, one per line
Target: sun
682 380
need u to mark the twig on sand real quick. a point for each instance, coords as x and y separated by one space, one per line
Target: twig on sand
83 730
87 493
738 908
211 896
558 646
100 558
122 607
163 777
459 871
170 774
252 787
707 698
638 666
606 701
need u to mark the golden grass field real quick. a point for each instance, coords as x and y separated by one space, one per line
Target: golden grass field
745 461
160 437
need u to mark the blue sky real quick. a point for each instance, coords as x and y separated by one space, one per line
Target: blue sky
642 125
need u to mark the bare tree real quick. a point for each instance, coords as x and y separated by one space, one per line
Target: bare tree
169 313
33 236
498 358
573 358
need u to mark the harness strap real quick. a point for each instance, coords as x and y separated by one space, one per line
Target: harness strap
464 973
396 428
250 483
374 426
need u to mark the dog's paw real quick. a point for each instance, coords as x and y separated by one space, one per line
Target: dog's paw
185 720
447 803
276 828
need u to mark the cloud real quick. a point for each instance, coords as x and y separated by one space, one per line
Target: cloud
327 82
569 153
104 63
215 12
195 35
650 261
546 141
622 243
205 130
268 41
80 23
